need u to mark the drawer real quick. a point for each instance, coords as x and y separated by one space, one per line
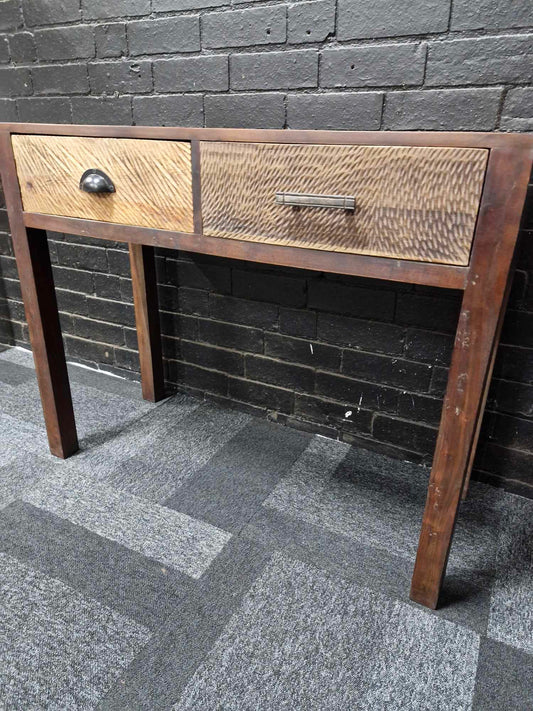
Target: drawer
414 203
152 179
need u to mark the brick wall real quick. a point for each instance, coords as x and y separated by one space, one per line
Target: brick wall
356 359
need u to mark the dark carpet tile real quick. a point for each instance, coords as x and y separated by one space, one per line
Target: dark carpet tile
133 585
462 601
240 475
504 678
160 672
14 374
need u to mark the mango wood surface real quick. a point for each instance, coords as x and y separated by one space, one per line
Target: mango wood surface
484 281
414 203
153 179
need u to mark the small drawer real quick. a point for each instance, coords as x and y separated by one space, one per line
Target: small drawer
152 179
416 203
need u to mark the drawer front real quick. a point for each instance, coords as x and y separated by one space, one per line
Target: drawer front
152 179
413 203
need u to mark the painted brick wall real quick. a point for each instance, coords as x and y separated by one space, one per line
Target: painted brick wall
351 358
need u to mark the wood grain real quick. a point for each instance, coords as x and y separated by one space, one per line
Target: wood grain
40 304
479 321
411 203
145 300
446 139
153 179
441 275
459 161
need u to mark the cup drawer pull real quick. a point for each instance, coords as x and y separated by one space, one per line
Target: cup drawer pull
96 181
342 202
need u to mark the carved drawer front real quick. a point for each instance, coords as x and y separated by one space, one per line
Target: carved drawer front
152 179
414 203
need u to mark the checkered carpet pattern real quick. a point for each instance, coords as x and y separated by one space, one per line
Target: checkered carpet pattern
192 557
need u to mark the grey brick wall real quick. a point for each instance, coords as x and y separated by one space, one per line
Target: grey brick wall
356 359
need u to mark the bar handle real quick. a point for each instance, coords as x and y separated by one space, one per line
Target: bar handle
342 202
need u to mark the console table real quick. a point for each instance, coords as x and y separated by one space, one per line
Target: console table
441 209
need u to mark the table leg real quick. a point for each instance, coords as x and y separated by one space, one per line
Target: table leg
143 274
38 293
476 341
486 388
459 429
40 304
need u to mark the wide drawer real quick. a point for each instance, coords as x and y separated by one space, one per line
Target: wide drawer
152 179
415 203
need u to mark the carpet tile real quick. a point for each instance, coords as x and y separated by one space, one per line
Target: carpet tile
193 557
124 580
59 650
170 537
375 500
15 374
175 451
511 609
237 479
303 640
504 678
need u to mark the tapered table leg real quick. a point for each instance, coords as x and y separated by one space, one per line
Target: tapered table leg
472 360
486 388
459 429
40 304
37 285
145 300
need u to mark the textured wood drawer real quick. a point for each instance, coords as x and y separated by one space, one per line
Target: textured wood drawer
416 203
152 178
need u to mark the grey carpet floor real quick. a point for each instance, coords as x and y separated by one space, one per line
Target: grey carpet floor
194 557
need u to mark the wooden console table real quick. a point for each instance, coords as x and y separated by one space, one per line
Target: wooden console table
441 209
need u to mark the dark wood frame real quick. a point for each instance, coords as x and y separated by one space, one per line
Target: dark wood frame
485 284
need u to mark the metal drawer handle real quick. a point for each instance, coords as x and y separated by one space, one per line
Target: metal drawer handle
96 181
343 202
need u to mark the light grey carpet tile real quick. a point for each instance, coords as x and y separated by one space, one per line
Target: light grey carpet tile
22 359
19 437
97 413
20 356
303 640
511 609
379 502
170 537
102 456
462 602
24 458
174 452
59 650
236 480
157 676
135 586
15 374
504 678
349 506
17 477
107 382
